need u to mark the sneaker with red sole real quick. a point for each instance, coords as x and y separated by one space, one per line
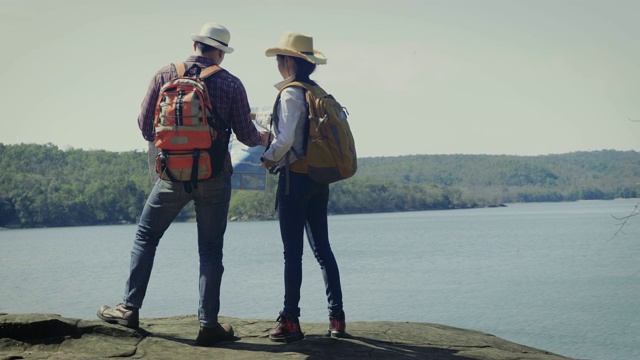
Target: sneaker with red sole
337 324
288 330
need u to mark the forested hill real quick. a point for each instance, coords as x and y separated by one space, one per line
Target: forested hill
42 185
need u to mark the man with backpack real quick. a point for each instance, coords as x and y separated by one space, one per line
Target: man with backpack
174 101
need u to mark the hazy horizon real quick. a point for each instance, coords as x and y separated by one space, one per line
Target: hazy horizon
417 77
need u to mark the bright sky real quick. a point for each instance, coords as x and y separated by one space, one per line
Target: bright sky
417 77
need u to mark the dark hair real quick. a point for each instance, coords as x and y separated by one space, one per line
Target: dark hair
204 47
304 69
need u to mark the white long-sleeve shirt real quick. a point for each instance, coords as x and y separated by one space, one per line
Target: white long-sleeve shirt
289 127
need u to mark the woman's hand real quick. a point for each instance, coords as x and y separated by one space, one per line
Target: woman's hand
267 164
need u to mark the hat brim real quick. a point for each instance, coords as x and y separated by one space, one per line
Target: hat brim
208 41
317 58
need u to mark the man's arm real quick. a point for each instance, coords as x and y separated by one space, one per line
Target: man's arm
241 123
148 108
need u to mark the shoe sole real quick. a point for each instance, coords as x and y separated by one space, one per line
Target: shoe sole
126 323
288 338
337 334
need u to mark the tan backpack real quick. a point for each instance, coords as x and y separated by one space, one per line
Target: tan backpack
331 150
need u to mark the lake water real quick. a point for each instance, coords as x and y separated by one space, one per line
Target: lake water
547 275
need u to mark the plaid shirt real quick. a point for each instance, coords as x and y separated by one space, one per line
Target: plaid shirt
228 96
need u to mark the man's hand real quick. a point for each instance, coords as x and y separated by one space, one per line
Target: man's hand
265 138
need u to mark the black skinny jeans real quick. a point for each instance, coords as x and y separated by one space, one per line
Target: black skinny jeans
304 207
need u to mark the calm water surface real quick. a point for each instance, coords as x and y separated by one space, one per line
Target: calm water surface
547 275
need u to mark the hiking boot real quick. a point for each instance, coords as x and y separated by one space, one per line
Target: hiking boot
121 314
209 336
337 324
288 330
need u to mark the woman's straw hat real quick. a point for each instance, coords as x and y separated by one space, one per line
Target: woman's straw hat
297 45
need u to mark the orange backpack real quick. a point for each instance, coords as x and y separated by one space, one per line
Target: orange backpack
187 129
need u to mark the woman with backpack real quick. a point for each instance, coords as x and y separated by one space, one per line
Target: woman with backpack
301 202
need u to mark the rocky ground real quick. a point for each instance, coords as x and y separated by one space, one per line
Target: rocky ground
50 336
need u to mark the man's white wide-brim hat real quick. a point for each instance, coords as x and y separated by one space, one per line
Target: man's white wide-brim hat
215 35
297 45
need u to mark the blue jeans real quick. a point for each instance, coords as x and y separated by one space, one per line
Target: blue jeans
167 198
304 207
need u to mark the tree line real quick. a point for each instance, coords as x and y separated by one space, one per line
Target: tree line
44 186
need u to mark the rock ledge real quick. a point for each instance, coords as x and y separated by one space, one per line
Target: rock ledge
50 336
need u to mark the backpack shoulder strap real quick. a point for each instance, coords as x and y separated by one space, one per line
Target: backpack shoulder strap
302 85
317 91
180 68
209 71
298 84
